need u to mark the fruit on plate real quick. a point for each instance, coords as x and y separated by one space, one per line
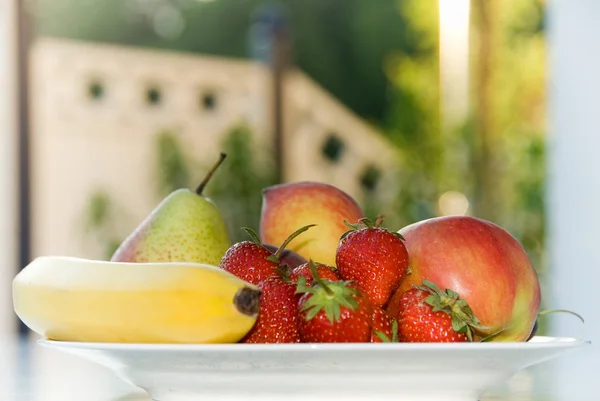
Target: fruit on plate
332 311
73 299
484 264
295 204
185 227
427 314
373 257
252 261
277 317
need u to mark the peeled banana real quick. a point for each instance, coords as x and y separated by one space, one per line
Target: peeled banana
71 299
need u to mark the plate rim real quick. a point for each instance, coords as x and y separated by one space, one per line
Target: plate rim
550 342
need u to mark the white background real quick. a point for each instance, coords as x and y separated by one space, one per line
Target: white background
574 186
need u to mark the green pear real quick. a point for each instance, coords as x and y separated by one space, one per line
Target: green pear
185 227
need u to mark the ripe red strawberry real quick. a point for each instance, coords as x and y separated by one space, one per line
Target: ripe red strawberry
427 314
375 258
278 313
384 328
252 261
332 311
324 271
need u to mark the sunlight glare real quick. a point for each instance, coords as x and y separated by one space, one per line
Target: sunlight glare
454 59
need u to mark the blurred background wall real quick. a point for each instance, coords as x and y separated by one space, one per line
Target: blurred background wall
98 113
8 163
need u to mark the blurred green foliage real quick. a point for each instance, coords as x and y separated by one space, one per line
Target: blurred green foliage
434 162
517 108
172 167
412 121
99 217
236 186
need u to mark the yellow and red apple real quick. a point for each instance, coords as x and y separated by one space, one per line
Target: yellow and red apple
286 207
481 262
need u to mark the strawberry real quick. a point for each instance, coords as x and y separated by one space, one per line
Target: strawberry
384 328
252 261
278 313
332 311
324 271
427 314
375 258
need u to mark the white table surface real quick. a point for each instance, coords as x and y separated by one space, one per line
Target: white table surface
29 372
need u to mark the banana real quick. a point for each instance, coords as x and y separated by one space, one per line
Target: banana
72 299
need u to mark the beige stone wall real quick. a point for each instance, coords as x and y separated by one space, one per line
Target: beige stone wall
314 115
81 144
8 164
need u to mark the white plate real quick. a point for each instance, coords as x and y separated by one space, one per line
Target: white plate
398 371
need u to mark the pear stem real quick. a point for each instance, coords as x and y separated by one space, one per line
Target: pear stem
200 187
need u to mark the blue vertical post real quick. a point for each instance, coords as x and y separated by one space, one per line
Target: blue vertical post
24 28
270 43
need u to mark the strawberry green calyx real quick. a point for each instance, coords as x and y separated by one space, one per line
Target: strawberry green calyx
252 234
448 301
328 296
384 338
364 223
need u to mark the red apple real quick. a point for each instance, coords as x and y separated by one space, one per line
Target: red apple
288 206
481 262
